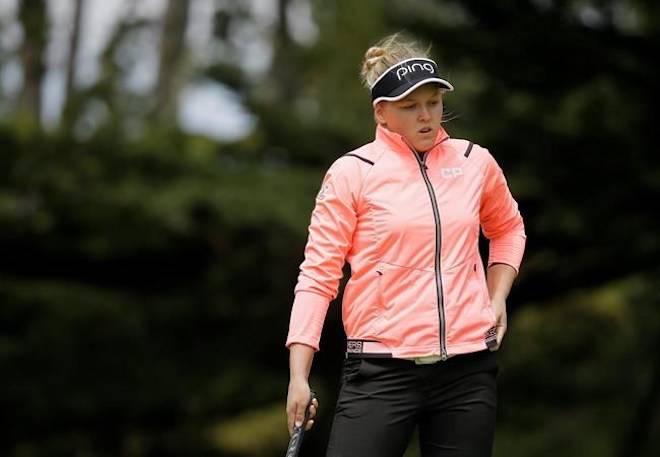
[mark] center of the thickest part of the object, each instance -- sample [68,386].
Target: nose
[424,113]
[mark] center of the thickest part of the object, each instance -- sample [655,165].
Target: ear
[379,113]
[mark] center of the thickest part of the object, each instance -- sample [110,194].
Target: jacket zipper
[438,247]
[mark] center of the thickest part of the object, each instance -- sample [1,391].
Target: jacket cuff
[508,250]
[307,317]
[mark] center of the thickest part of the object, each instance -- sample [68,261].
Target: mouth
[425,130]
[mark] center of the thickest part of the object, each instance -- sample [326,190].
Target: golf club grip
[299,432]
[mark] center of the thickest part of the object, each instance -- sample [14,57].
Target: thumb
[501,330]
[300,414]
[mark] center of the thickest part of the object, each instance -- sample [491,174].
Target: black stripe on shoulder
[469,149]
[359,157]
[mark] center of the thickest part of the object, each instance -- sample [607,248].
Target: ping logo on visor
[404,77]
[403,70]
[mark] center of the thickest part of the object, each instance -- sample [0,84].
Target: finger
[290,416]
[310,424]
[300,414]
[498,338]
[500,334]
[294,412]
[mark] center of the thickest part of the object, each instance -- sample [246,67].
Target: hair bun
[385,53]
[373,56]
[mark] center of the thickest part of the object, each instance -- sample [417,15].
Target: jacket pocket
[406,296]
[398,286]
[364,369]
[351,368]
[484,295]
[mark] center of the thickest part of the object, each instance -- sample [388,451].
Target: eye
[434,102]
[408,106]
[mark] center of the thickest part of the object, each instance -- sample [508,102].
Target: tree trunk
[69,102]
[284,62]
[171,50]
[32,15]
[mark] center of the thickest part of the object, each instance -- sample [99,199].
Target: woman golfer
[422,316]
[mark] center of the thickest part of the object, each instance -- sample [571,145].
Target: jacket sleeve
[501,221]
[329,240]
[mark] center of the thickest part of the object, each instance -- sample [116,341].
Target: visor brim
[405,90]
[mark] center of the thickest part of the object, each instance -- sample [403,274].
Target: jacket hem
[407,352]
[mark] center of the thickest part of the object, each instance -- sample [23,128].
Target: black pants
[381,401]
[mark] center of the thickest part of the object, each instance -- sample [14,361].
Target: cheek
[402,122]
[406,123]
[395,120]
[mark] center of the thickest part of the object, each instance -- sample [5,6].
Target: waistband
[370,349]
[453,368]
[358,349]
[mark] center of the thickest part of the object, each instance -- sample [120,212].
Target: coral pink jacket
[409,228]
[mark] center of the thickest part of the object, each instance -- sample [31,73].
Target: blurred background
[158,164]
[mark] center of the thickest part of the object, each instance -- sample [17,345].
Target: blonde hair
[387,52]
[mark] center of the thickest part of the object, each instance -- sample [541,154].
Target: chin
[423,147]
